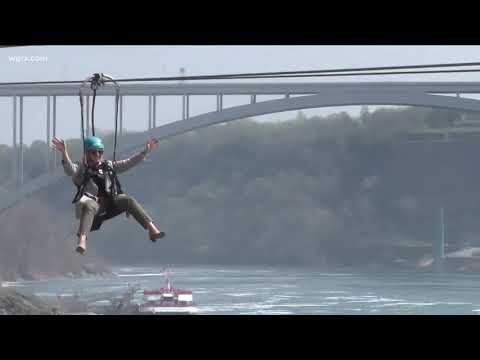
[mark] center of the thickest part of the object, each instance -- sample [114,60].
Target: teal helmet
[93,143]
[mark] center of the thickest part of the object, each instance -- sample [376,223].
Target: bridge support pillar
[149,112]
[154,112]
[186,107]
[219,102]
[54,128]
[253,99]
[120,105]
[14,143]
[48,157]
[20,165]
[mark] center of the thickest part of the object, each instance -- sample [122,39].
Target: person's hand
[151,145]
[59,145]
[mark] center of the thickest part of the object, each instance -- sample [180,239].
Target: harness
[88,173]
[115,189]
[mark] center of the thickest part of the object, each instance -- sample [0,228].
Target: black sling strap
[115,189]
[115,186]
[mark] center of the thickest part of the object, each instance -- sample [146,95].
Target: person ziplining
[99,193]
[99,197]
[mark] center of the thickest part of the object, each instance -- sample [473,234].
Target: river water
[236,290]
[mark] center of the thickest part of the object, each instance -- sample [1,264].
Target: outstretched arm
[124,165]
[69,167]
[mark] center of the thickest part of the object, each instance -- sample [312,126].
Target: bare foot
[82,245]
[156,235]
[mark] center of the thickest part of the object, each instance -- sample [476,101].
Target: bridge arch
[312,101]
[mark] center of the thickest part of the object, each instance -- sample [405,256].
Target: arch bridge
[292,96]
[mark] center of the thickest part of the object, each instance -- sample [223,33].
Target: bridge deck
[242,88]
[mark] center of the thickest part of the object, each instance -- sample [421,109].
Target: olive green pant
[122,202]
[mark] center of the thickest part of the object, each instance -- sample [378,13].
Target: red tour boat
[168,300]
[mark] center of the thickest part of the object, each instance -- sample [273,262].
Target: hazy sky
[78,62]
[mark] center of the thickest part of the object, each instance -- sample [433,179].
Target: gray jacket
[77,169]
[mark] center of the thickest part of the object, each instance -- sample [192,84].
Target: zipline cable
[363,74]
[282,74]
